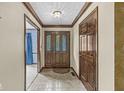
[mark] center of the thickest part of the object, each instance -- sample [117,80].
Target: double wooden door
[57,49]
[88,51]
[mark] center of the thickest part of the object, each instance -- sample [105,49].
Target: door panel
[48,49]
[48,42]
[57,49]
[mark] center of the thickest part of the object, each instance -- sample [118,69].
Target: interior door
[88,51]
[57,49]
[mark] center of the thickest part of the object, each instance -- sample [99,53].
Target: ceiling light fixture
[57,13]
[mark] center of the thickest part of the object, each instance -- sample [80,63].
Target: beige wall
[59,29]
[105,44]
[12,45]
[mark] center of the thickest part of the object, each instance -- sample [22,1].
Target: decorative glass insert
[90,42]
[48,42]
[83,43]
[57,42]
[64,43]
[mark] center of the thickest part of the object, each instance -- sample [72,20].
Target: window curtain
[29,56]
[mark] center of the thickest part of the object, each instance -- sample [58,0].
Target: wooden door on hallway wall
[89,51]
[57,49]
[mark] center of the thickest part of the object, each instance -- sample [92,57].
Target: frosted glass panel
[64,45]
[84,40]
[89,42]
[48,42]
[57,42]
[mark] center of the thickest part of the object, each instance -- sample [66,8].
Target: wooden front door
[57,49]
[88,51]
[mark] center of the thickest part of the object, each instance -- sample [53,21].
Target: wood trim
[57,26]
[38,29]
[84,8]
[31,10]
[24,54]
[97,72]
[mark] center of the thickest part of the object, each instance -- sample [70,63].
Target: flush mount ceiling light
[57,13]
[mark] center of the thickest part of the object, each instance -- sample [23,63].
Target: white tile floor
[31,73]
[49,80]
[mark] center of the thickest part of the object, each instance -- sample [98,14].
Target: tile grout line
[32,81]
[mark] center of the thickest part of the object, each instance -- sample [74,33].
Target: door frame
[45,48]
[26,18]
[97,49]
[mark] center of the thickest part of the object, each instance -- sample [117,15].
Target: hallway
[74,35]
[50,80]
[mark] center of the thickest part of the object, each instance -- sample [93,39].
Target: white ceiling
[69,11]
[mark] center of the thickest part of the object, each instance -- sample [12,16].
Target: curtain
[29,56]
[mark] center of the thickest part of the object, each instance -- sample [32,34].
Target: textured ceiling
[69,11]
